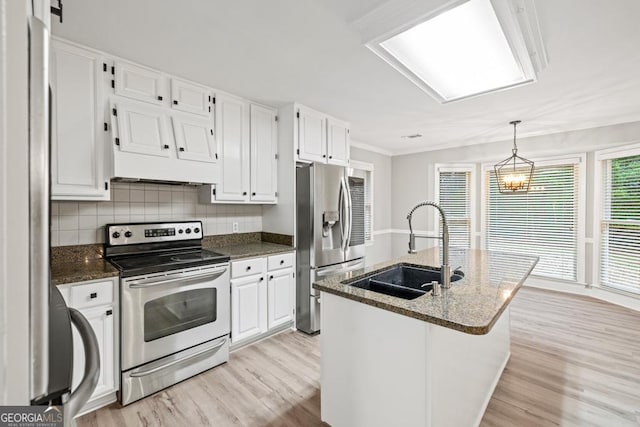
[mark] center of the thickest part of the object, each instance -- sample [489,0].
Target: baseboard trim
[586,290]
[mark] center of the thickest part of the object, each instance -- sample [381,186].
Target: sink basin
[402,281]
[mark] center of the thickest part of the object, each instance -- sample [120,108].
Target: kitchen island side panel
[380,368]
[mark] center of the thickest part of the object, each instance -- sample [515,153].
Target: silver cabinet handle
[146,372]
[153,282]
[81,395]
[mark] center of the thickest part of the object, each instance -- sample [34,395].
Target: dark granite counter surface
[70,264]
[472,305]
[247,245]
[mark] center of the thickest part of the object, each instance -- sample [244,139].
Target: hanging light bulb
[514,174]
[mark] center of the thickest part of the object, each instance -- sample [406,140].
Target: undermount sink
[402,281]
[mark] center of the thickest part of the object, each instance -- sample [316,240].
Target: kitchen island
[431,361]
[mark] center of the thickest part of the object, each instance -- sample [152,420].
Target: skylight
[459,53]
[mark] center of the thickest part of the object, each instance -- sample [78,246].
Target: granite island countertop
[472,304]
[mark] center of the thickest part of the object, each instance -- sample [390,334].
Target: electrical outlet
[235,227]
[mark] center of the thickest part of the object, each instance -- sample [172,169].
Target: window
[620,223]
[454,196]
[543,222]
[364,171]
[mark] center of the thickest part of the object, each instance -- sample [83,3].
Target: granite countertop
[70,264]
[80,271]
[472,305]
[250,249]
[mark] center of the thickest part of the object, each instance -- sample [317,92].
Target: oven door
[168,312]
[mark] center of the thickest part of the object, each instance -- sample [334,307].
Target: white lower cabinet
[262,296]
[98,303]
[248,307]
[101,320]
[280,297]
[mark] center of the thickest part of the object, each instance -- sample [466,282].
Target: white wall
[380,249]
[74,223]
[413,175]
[14,210]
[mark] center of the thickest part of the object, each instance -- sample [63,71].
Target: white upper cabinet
[337,142]
[321,138]
[136,82]
[194,138]
[140,129]
[77,116]
[190,97]
[264,154]
[232,136]
[312,136]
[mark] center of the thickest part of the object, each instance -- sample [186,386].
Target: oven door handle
[144,373]
[213,274]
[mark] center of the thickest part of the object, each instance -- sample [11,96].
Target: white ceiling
[280,51]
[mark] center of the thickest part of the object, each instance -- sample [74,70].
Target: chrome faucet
[445,268]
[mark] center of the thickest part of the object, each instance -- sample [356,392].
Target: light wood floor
[575,362]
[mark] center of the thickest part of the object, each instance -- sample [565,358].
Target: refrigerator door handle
[81,395]
[342,268]
[345,208]
[39,207]
[349,213]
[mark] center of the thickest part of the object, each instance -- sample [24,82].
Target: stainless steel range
[175,304]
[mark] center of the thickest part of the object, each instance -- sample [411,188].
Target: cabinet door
[280,297]
[264,151]
[102,322]
[77,137]
[248,307]
[139,83]
[190,97]
[338,142]
[232,135]
[312,137]
[194,138]
[140,129]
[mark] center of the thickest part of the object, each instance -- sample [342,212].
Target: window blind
[542,222]
[368,206]
[455,199]
[620,226]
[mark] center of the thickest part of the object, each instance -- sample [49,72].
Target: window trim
[626,150]
[577,158]
[473,213]
[368,167]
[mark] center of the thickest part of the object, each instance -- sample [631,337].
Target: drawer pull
[248,267]
[109,312]
[281,261]
[93,295]
[270,277]
[261,279]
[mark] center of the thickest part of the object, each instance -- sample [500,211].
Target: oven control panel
[130,234]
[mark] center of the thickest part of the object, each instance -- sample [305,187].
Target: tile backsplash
[74,223]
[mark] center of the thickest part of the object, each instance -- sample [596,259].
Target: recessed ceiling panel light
[462,52]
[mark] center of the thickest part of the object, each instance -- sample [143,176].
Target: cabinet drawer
[248,267]
[91,294]
[280,261]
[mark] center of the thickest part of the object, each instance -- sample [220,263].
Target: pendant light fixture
[515,173]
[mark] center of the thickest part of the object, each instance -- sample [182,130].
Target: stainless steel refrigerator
[50,339]
[330,232]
